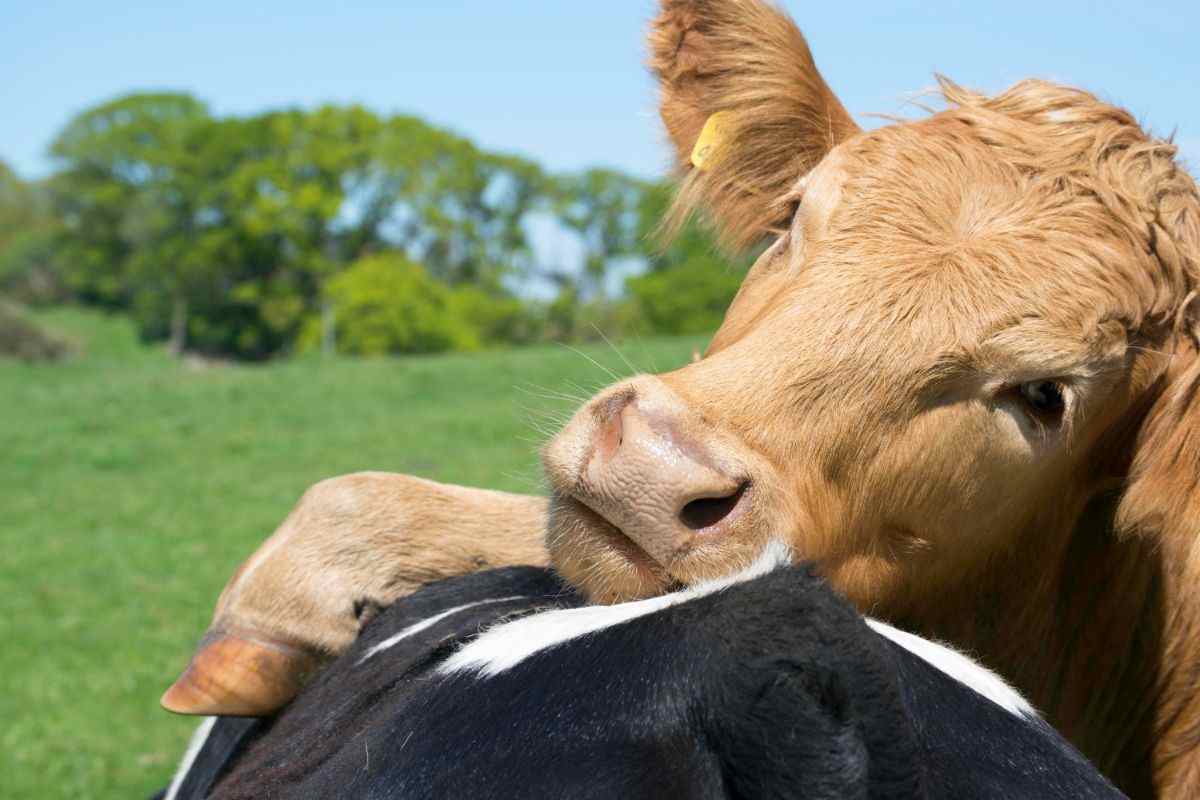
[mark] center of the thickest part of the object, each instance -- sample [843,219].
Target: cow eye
[1044,399]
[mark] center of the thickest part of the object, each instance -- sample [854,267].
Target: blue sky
[559,80]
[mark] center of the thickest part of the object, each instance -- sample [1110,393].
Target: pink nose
[662,487]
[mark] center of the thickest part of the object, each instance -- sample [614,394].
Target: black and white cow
[766,684]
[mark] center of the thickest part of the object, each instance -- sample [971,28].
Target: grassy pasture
[131,485]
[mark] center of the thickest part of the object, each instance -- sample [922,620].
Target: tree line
[340,229]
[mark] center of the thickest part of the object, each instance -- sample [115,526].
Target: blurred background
[245,248]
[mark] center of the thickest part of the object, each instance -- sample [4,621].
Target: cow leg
[351,545]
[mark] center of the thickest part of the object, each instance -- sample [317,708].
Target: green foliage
[386,304]
[233,235]
[16,206]
[30,267]
[29,242]
[685,298]
[602,206]
[133,485]
[499,318]
[221,233]
[126,196]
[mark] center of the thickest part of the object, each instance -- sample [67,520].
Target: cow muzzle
[655,471]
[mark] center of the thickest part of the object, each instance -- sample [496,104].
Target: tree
[127,199]
[297,192]
[685,298]
[459,210]
[17,212]
[233,234]
[312,192]
[602,207]
[24,233]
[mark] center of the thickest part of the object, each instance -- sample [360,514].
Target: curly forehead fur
[1087,166]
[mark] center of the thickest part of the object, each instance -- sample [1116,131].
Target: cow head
[966,327]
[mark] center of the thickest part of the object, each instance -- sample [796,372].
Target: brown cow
[964,380]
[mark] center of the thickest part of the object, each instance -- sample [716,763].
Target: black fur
[771,688]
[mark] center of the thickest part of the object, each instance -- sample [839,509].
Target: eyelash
[1051,394]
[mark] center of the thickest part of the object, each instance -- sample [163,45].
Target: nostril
[614,405]
[708,511]
[610,433]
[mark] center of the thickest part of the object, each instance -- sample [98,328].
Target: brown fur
[864,378]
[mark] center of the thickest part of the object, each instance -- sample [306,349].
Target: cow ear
[745,108]
[1162,498]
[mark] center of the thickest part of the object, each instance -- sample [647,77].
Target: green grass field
[131,486]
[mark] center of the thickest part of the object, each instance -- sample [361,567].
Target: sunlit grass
[131,485]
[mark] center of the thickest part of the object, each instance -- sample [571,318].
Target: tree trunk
[179,314]
[328,329]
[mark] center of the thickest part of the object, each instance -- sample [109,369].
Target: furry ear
[778,117]
[1162,499]
[1163,495]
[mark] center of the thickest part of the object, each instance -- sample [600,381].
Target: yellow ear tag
[712,138]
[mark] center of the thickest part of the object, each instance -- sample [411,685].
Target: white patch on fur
[510,643]
[960,668]
[189,757]
[425,623]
